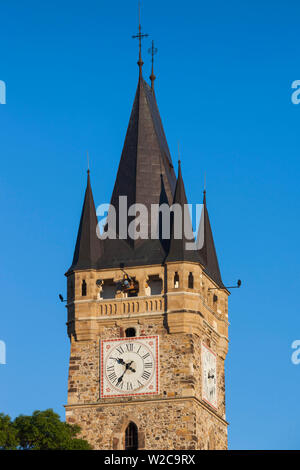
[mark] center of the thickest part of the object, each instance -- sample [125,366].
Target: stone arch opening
[118,435]
[131,437]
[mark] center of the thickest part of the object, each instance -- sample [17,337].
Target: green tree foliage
[8,433]
[43,430]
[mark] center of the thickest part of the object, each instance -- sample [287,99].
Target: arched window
[83,288]
[191,281]
[131,437]
[176,280]
[130,332]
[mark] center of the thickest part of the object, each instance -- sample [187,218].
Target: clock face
[129,366]
[209,376]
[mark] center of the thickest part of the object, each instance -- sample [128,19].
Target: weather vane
[140,36]
[152,50]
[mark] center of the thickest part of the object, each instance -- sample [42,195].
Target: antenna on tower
[238,285]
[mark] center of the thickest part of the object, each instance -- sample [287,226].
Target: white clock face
[209,376]
[129,366]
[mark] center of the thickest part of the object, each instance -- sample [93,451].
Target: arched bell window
[131,437]
[83,288]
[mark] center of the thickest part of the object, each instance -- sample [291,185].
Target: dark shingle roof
[145,175]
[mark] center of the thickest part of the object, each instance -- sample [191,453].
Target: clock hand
[127,366]
[120,361]
[121,377]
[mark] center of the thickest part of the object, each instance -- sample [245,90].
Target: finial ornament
[179,161]
[204,190]
[88,163]
[140,36]
[152,50]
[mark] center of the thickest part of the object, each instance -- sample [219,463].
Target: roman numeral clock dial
[129,366]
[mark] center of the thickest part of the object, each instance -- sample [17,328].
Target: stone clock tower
[147,318]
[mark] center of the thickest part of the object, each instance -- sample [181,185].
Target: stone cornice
[147,401]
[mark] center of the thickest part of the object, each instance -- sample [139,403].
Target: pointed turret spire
[88,245]
[179,246]
[207,250]
[145,156]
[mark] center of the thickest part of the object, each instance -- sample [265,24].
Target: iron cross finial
[140,36]
[152,50]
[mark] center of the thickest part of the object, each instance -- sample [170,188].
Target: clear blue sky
[224,73]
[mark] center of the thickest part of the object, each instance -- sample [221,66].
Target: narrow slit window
[83,288]
[191,281]
[176,280]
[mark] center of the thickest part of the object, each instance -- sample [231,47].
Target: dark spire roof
[207,248]
[88,245]
[145,175]
[145,156]
[178,247]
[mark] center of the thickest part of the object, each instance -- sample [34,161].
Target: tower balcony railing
[131,305]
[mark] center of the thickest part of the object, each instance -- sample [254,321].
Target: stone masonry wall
[170,420]
[180,365]
[173,424]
